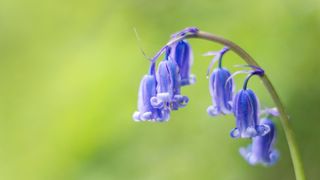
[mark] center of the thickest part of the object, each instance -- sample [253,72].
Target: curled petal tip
[245,153]
[249,132]
[212,111]
[235,133]
[163,116]
[274,156]
[136,116]
[180,100]
[252,159]
[146,116]
[263,129]
[188,81]
[192,79]
[156,102]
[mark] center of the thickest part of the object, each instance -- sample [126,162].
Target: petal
[181,53]
[163,115]
[246,112]
[163,78]
[262,130]
[146,116]
[274,157]
[235,133]
[182,101]
[146,91]
[175,77]
[212,111]
[136,116]
[249,132]
[164,96]
[157,102]
[246,152]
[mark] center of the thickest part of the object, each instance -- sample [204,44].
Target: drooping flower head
[159,91]
[246,111]
[220,86]
[168,84]
[147,110]
[164,84]
[181,53]
[177,100]
[262,151]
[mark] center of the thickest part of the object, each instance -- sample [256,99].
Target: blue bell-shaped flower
[220,86]
[261,151]
[148,110]
[246,111]
[181,53]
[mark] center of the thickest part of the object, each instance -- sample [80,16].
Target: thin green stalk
[294,151]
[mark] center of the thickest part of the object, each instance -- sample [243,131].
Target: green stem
[294,151]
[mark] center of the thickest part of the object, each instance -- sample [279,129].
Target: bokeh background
[70,71]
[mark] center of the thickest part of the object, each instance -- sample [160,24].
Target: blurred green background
[70,71]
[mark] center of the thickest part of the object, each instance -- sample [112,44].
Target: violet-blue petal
[179,101]
[175,77]
[162,115]
[168,87]
[262,149]
[221,92]
[149,107]
[246,109]
[181,53]
[147,90]
[164,87]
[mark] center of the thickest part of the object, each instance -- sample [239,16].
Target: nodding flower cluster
[160,90]
[160,93]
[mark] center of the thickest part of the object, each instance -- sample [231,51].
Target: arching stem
[294,151]
[293,147]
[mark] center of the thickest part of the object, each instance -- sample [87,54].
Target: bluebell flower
[164,84]
[181,53]
[221,92]
[177,100]
[148,110]
[168,85]
[220,87]
[246,111]
[261,151]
